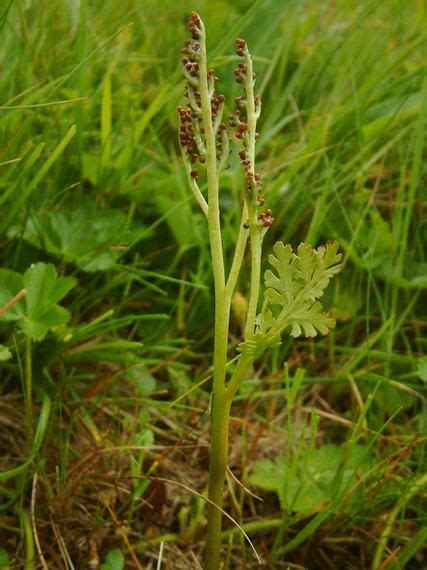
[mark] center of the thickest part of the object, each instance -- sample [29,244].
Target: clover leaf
[310,480]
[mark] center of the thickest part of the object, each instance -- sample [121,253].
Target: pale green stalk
[221,400]
[222,396]
[255,229]
[220,407]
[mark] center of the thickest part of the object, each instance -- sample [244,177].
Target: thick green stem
[220,417]
[220,407]
[220,410]
[220,414]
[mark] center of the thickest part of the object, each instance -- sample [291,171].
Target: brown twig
[12,302]
[123,535]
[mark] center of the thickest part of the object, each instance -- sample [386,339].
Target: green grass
[91,180]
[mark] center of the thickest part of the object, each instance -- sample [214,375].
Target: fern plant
[296,280]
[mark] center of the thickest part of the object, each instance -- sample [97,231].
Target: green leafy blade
[298,281]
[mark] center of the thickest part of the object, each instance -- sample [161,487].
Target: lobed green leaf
[298,280]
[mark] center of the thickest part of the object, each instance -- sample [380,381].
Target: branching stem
[205,140]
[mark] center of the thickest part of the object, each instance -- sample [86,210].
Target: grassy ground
[103,427]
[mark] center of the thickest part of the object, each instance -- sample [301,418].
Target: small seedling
[295,281]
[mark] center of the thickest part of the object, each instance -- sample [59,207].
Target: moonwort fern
[297,279]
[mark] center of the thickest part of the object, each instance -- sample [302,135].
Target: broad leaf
[92,240]
[304,487]
[37,312]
